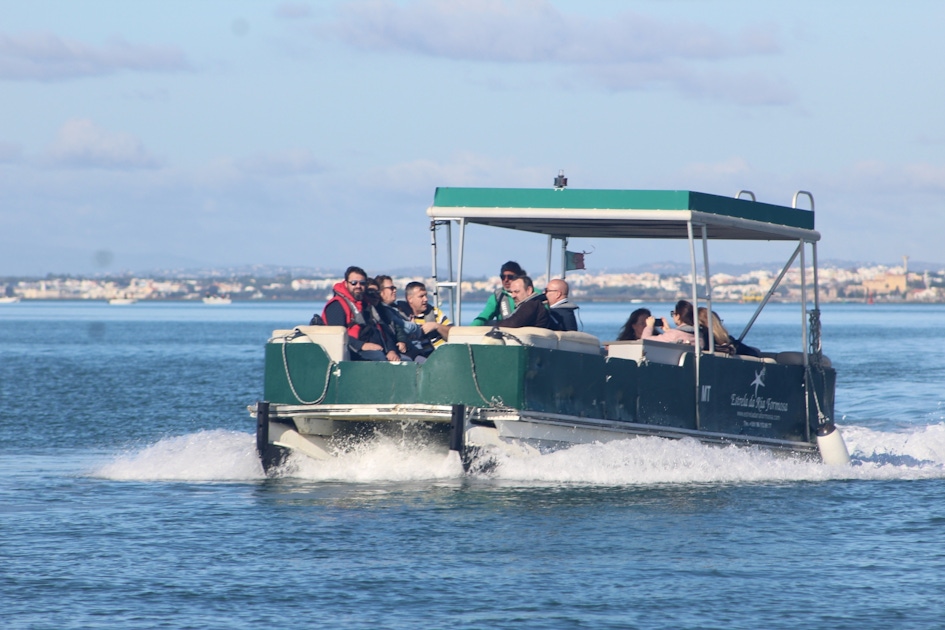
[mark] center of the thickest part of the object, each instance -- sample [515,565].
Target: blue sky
[314,133]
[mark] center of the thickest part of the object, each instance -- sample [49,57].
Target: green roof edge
[582,199]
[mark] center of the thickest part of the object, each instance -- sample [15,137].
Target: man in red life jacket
[366,338]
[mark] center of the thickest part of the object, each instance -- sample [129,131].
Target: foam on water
[216,455]
[381,459]
[231,456]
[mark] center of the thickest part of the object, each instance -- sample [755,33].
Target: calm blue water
[131,496]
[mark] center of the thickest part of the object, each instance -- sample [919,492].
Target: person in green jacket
[500,304]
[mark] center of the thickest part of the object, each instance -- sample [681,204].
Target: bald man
[563,313]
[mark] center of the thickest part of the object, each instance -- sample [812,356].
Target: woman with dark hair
[633,328]
[684,331]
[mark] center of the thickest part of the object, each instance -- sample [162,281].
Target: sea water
[131,495]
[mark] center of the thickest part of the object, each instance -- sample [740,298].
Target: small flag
[575,260]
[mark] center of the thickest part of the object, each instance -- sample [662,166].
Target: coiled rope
[495,402]
[285,364]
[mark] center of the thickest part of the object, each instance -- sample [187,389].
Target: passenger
[500,304]
[373,303]
[684,331]
[408,334]
[636,323]
[529,306]
[562,312]
[366,338]
[724,342]
[421,312]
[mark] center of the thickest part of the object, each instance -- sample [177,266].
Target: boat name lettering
[758,402]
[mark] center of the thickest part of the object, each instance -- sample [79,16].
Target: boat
[217,299]
[9,299]
[122,301]
[489,391]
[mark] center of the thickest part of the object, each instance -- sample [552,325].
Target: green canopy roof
[623,213]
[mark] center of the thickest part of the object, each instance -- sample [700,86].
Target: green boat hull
[570,396]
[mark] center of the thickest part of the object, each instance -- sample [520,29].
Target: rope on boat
[816,360]
[288,376]
[496,401]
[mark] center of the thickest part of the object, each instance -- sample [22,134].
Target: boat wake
[218,455]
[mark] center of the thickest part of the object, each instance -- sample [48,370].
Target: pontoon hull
[538,398]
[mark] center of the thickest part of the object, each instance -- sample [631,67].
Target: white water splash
[203,456]
[380,459]
[230,456]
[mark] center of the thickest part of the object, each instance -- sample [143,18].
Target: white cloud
[83,144]
[48,57]
[530,31]
[744,88]
[629,51]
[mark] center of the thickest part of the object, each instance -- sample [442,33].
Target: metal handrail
[803,192]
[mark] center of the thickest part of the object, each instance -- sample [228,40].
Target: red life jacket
[352,308]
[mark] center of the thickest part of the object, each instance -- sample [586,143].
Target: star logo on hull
[759,381]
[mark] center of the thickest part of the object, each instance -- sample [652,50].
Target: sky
[165,134]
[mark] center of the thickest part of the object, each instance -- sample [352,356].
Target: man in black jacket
[562,312]
[529,306]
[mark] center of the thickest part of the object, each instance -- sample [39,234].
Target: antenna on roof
[561,181]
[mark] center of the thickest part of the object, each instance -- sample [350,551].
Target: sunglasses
[357,283]
[390,288]
[508,276]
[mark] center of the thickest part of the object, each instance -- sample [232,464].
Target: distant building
[886,284]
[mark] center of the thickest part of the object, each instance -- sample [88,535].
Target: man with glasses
[366,338]
[406,332]
[562,312]
[500,304]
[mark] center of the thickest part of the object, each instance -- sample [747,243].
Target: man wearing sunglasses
[366,338]
[500,304]
[398,325]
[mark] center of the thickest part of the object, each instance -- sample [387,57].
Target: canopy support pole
[551,240]
[708,290]
[774,287]
[695,311]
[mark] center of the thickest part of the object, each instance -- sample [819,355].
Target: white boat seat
[632,350]
[527,336]
[334,339]
[649,350]
[469,334]
[577,341]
